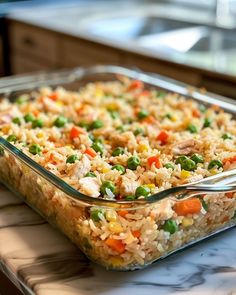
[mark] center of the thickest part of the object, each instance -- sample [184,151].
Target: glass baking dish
[69,210]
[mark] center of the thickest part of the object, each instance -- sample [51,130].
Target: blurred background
[187,40]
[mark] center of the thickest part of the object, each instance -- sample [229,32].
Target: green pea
[180,159]
[130,198]
[96,215]
[107,185]
[37,123]
[197,158]
[60,121]
[142,114]
[21,99]
[29,118]
[71,159]
[192,128]
[234,216]
[96,124]
[204,205]
[90,174]
[202,108]
[119,168]
[84,125]
[170,226]
[120,128]
[12,138]
[160,94]
[34,149]
[169,166]
[133,162]
[98,147]
[16,120]
[1,151]
[186,163]
[226,136]
[114,114]
[142,191]
[86,244]
[118,151]
[207,122]
[215,163]
[138,131]
[168,116]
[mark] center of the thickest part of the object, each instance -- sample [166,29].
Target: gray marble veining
[42,261]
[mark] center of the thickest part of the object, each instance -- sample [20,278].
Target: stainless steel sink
[163,34]
[132,27]
[215,40]
[199,39]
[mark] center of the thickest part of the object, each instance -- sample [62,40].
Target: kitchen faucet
[222,16]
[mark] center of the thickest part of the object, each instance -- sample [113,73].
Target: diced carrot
[122,213]
[135,84]
[116,245]
[196,113]
[58,144]
[225,219]
[53,96]
[230,195]
[35,112]
[80,109]
[149,120]
[189,206]
[41,98]
[215,107]
[51,157]
[155,160]
[136,233]
[91,152]
[229,160]
[76,131]
[144,93]
[163,137]
[136,110]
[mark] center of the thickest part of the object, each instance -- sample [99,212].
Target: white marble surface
[38,257]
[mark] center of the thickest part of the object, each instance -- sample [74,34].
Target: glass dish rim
[19,82]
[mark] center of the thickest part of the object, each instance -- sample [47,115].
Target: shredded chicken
[186,147]
[51,106]
[128,186]
[80,168]
[6,115]
[89,186]
[163,209]
[126,139]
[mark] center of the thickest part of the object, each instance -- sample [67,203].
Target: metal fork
[219,183]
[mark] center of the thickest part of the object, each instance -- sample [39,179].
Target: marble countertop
[39,260]
[79,20]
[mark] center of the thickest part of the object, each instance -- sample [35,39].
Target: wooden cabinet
[34,43]
[21,64]
[35,49]
[219,85]
[77,52]
[1,58]
[163,68]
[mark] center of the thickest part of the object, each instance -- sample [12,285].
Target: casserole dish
[122,227]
